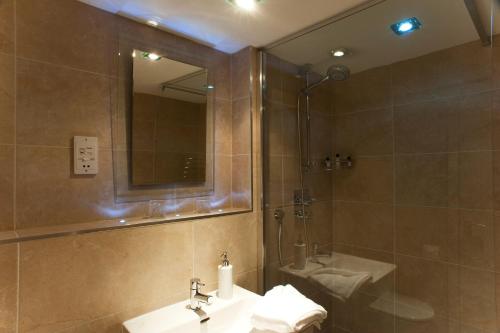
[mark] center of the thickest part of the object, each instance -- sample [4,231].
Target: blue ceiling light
[406,26]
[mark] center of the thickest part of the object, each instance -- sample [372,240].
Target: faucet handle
[196,284]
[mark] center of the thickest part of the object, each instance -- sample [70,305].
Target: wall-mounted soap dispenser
[225,290]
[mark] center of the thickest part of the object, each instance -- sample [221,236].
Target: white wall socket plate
[85,155]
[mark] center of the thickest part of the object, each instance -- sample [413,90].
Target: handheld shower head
[338,72]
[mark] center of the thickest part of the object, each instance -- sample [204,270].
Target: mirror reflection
[169,121]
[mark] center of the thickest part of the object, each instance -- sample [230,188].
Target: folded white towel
[285,310]
[340,283]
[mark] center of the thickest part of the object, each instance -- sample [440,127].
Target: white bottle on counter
[299,255]
[225,278]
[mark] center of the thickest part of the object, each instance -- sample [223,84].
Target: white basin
[225,317]
[377,269]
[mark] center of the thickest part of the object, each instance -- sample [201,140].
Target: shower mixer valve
[302,214]
[302,197]
[342,162]
[302,200]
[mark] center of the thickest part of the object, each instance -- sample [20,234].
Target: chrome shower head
[334,73]
[338,72]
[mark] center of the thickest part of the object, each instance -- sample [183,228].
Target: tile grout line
[67,67]
[193,240]
[281,143]
[15,119]
[18,307]
[415,154]
[394,229]
[395,105]
[14,203]
[281,137]
[415,205]
[109,148]
[492,145]
[333,146]
[231,60]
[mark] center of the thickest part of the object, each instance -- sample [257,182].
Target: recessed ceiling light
[153,23]
[406,26]
[248,5]
[151,56]
[339,53]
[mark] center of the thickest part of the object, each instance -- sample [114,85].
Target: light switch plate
[85,155]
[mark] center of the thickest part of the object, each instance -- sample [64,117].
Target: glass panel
[392,187]
[169,121]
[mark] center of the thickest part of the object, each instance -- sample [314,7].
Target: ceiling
[220,25]
[367,34]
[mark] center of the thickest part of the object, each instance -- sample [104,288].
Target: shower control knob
[279,214]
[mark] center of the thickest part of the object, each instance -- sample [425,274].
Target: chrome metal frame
[25,235]
[324,23]
[263,89]
[470,4]
[478,23]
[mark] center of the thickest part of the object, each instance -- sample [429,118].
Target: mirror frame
[125,191]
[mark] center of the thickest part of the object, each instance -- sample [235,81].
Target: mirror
[163,123]
[169,121]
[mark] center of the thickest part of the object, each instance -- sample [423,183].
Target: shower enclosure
[385,163]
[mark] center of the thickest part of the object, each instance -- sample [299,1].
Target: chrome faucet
[196,297]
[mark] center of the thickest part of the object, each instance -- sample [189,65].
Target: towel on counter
[285,310]
[340,283]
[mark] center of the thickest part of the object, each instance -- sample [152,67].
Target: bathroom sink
[225,317]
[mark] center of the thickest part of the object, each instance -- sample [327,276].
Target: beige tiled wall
[91,283]
[61,87]
[8,288]
[422,193]
[242,102]
[7,115]
[59,78]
